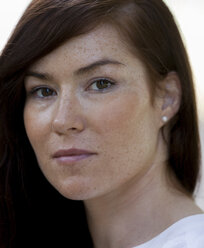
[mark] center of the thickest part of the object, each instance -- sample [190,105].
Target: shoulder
[186,233]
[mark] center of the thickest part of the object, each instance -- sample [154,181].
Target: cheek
[126,116]
[37,124]
[127,127]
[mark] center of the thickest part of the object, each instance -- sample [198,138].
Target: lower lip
[72,159]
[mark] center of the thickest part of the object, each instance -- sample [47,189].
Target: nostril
[65,126]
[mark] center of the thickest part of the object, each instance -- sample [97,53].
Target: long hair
[149,29]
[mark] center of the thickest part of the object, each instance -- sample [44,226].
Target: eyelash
[34,91]
[109,83]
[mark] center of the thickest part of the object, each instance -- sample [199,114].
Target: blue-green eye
[43,92]
[101,84]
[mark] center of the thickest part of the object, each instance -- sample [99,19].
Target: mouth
[72,155]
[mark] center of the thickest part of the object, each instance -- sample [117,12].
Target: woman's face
[88,116]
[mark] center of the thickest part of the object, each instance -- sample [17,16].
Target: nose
[68,116]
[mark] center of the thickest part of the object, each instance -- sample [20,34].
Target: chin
[75,190]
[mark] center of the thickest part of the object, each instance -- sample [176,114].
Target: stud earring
[164,118]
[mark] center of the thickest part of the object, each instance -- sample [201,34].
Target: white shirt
[186,233]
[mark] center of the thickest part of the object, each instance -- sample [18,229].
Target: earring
[164,118]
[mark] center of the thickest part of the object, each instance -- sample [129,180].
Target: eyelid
[33,91]
[94,80]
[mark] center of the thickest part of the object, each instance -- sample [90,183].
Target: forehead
[104,42]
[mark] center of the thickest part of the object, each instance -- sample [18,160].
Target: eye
[43,92]
[101,84]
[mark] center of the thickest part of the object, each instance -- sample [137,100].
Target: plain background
[190,18]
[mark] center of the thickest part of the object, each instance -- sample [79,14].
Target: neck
[138,211]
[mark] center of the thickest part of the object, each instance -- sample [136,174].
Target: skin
[119,124]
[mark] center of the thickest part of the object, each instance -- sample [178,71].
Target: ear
[171,88]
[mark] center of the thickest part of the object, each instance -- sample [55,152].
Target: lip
[67,156]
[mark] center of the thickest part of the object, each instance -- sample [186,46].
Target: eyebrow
[96,64]
[42,76]
[80,71]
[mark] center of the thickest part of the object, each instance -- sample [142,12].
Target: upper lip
[71,152]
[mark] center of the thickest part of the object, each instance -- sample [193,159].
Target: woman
[98,96]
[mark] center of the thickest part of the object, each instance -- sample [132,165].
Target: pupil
[46,92]
[102,84]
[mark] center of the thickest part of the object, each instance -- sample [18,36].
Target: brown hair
[149,28]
